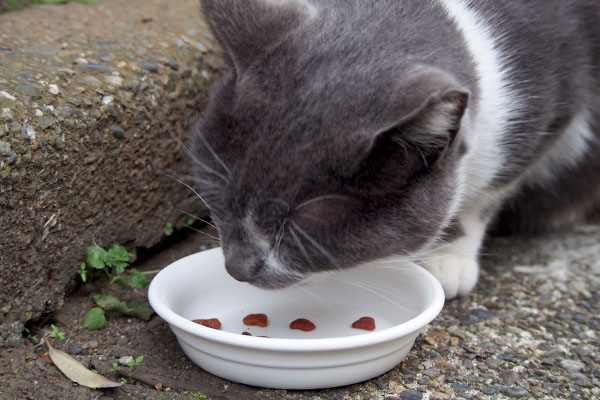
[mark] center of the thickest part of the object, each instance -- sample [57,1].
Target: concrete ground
[529,330]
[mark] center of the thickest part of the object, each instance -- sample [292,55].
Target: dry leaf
[76,372]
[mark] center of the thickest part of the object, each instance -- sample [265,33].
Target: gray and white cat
[351,130]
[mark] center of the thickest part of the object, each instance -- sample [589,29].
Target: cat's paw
[457,274]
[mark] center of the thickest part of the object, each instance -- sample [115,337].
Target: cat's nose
[242,263]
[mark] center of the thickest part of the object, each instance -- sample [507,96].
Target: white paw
[457,274]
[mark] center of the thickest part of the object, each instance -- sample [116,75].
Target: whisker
[214,154]
[318,298]
[316,245]
[301,247]
[186,185]
[204,233]
[195,217]
[324,197]
[280,235]
[197,160]
[364,287]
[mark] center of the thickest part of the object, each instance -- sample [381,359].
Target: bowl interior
[391,292]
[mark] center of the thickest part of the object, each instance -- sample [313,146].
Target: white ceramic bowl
[401,297]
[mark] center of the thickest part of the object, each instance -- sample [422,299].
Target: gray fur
[336,105]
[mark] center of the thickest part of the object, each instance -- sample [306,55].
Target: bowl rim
[297,345]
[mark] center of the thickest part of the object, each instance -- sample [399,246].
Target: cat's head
[318,153]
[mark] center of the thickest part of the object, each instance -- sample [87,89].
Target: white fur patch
[262,242]
[497,103]
[566,152]
[310,9]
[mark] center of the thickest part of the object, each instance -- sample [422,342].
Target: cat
[345,131]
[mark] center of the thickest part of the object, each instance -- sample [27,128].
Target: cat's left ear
[428,132]
[437,121]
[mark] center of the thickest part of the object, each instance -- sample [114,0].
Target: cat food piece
[210,322]
[366,323]
[256,320]
[246,334]
[302,324]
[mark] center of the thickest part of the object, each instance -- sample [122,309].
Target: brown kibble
[246,334]
[213,323]
[302,324]
[366,323]
[256,320]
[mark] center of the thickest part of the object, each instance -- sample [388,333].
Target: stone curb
[90,99]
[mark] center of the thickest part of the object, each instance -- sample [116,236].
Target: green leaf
[120,267]
[136,279]
[95,319]
[53,1]
[139,360]
[96,257]
[138,308]
[189,222]
[118,255]
[169,229]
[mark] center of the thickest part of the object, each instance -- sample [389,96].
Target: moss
[12,5]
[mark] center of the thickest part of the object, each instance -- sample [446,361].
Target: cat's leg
[455,264]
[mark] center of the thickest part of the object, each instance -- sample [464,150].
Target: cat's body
[350,130]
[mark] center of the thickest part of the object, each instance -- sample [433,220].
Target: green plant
[56,333]
[197,395]
[169,229]
[113,264]
[135,362]
[82,271]
[29,336]
[115,367]
[189,222]
[123,379]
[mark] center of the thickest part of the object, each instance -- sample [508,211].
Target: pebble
[76,350]
[53,89]
[108,99]
[173,65]
[460,387]
[107,43]
[7,96]
[487,390]
[117,131]
[113,80]
[413,395]
[92,344]
[38,113]
[508,357]
[125,360]
[27,132]
[92,81]
[4,148]
[95,68]
[43,50]
[65,111]
[152,67]
[571,365]
[28,90]
[508,377]
[515,392]
[46,122]
[6,114]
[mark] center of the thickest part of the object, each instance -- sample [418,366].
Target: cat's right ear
[245,28]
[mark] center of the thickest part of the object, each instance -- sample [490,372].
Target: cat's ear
[245,27]
[431,128]
[437,121]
